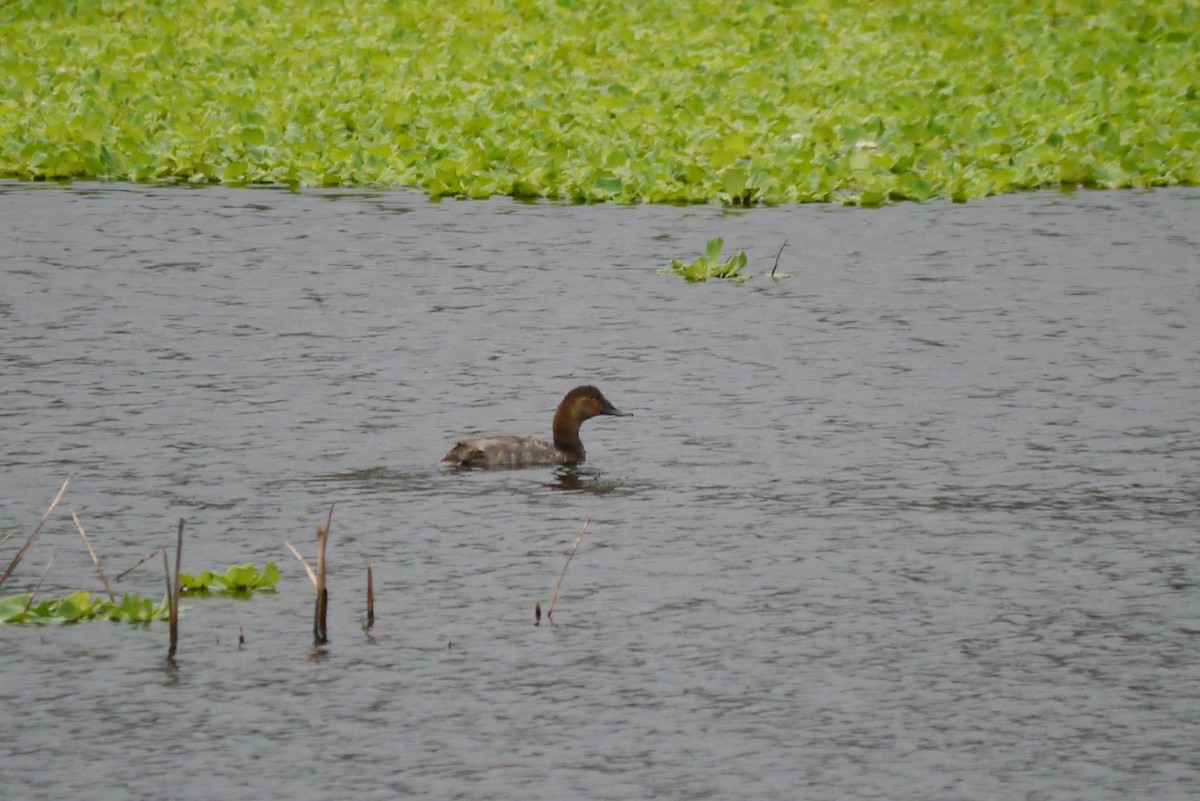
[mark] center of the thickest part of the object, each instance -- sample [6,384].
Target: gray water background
[919,522]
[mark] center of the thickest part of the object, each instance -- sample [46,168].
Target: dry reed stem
[550,610]
[24,548]
[33,594]
[95,559]
[311,575]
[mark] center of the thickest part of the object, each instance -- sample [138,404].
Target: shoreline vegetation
[665,102]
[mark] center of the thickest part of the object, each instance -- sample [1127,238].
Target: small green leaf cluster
[710,265]
[236,579]
[81,606]
[866,101]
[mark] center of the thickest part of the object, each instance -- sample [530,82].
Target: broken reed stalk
[40,580]
[95,559]
[553,598]
[24,548]
[370,594]
[137,564]
[318,578]
[319,631]
[173,592]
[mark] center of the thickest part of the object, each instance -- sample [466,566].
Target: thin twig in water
[95,559]
[137,564]
[550,610]
[21,553]
[40,580]
[777,255]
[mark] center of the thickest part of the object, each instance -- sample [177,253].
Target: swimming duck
[580,404]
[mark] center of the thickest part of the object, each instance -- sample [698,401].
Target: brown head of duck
[580,404]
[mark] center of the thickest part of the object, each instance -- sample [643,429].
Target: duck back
[503,452]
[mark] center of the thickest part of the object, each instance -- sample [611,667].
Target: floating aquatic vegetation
[81,606]
[710,265]
[236,579]
[854,102]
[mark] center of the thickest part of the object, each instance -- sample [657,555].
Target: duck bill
[614,411]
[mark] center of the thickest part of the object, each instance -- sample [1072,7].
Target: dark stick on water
[320,633]
[173,588]
[170,605]
[777,255]
[370,595]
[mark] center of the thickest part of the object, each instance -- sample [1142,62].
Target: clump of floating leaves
[710,265]
[239,579]
[80,606]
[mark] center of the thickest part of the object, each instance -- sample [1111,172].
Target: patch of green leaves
[241,579]
[739,103]
[710,265]
[81,606]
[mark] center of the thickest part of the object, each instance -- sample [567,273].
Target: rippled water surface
[919,522]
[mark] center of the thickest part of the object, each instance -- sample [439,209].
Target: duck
[580,404]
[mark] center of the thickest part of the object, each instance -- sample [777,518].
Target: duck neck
[566,436]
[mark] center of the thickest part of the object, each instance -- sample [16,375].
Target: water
[918,522]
